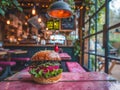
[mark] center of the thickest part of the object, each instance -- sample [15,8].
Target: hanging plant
[5,5]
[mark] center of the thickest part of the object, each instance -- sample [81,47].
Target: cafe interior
[59,44]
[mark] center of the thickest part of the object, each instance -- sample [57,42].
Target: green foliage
[77,49]
[2,12]
[72,4]
[5,5]
[92,62]
[92,58]
[114,38]
[91,11]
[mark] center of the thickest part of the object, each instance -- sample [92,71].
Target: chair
[22,62]
[112,50]
[102,64]
[7,71]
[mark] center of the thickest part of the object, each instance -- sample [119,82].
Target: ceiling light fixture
[60,9]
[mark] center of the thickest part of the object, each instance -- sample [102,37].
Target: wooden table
[64,57]
[17,51]
[7,70]
[3,53]
[69,81]
[10,52]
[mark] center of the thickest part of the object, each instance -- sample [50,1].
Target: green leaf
[3,2]
[47,75]
[36,75]
[32,71]
[15,2]
[20,9]
[40,73]
[2,12]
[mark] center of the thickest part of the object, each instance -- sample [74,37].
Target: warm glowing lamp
[60,9]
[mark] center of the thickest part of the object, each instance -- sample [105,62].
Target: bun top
[46,55]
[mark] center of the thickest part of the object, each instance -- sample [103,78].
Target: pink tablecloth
[74,67]
[67,76]
[20,85]
[69,81]
[65,56]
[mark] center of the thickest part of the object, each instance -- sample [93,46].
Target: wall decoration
[68,23]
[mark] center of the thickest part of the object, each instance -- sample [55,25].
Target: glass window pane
[114,16]
[91,63]
[100,3]
[92,26]
[100,19]
[90,7]
[92,44]
[114,42]
[100,49]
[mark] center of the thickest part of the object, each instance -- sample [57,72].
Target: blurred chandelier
[59,9]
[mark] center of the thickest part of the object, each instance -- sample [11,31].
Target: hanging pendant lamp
[59,9]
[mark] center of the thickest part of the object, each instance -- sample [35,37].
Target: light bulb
[8,22]
[39,20]
[46,28]
[26,23]
[33,11]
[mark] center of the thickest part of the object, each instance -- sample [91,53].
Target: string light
[39,20]
[26,23]
[33,11]
[46,28]
[8,22]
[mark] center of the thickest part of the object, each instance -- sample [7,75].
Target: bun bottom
[50,80]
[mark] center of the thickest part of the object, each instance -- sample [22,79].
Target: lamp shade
[59,9]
